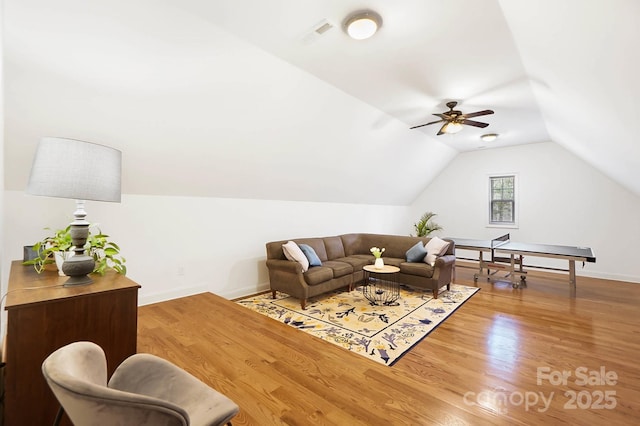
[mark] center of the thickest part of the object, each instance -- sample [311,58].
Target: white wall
[1,138]
[562,200]
[177,246]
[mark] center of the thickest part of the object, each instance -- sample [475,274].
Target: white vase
[379,263]
[60,257]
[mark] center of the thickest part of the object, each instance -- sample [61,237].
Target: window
[502,200]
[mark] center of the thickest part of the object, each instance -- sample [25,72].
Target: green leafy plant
[46,248]
[105,253]
[425,225]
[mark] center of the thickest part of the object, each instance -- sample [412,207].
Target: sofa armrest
[443,269]
[445,261]
[284,266]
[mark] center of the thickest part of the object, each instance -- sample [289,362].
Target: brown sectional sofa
[343,257]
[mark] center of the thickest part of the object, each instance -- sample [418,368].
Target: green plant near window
[105,253]
[426,225]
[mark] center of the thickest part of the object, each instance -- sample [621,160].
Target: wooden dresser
[42,316]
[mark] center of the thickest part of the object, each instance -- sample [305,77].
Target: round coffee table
[381,285]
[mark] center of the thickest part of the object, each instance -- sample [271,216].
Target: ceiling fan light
[362,25]
[452,127]
[489,137]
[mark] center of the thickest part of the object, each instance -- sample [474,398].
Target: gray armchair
[144,390]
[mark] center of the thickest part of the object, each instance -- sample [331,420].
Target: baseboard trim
[579,272]
[613,277]
[173,294]
[190,291]
[245,291]
[249,290]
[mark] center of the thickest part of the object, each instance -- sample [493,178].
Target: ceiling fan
[454,119]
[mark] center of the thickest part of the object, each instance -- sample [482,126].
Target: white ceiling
[231,98]
[425,54]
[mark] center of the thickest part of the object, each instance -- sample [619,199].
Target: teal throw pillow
[416,253]
[308,251]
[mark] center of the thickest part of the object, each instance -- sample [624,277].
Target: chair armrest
[150,375]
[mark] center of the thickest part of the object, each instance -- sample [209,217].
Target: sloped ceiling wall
[199,110]
[583,58]
[196,111]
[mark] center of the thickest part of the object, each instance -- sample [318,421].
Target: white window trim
[516,202]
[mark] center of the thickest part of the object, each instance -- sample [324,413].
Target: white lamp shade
[79,170]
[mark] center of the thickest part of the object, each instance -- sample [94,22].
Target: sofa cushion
[310,254]
[339,269]
[293,253]
[393,261]
[420,269]
[435,247]
[317,244]
[353,244]
[416,253]
[318,275]
[356,261]
[364,257]
[334,247]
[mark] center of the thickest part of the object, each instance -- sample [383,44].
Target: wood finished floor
[478,367]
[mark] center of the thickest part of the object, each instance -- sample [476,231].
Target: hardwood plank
[464,372]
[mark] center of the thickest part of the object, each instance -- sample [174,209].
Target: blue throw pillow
[308,251]
[416,253]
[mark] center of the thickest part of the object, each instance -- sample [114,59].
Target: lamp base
[77,269]
[77,281]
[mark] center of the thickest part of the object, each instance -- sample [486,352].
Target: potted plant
[105,253]
[377,253]
[49,248]
[425,225]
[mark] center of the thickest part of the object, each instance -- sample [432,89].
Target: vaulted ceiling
[240,98]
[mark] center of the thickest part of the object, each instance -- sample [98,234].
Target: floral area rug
[347,319]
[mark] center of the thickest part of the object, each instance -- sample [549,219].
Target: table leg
[572,278]
[481,265]
[512,272]
[381,289]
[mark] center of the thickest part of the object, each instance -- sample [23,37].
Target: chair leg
[303,303]
[59,414]
[273,294]
[435,293]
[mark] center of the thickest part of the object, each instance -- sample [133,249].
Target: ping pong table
[514,264]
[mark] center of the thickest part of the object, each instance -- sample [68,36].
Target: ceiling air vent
[326,26]
[317,31]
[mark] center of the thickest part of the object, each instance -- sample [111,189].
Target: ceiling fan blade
[426,124]
[474,123]
[479,113]
[441,131]
[444,116]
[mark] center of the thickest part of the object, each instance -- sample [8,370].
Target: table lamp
[68,168]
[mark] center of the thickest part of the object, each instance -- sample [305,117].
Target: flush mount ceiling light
[362,25]
[489,137]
